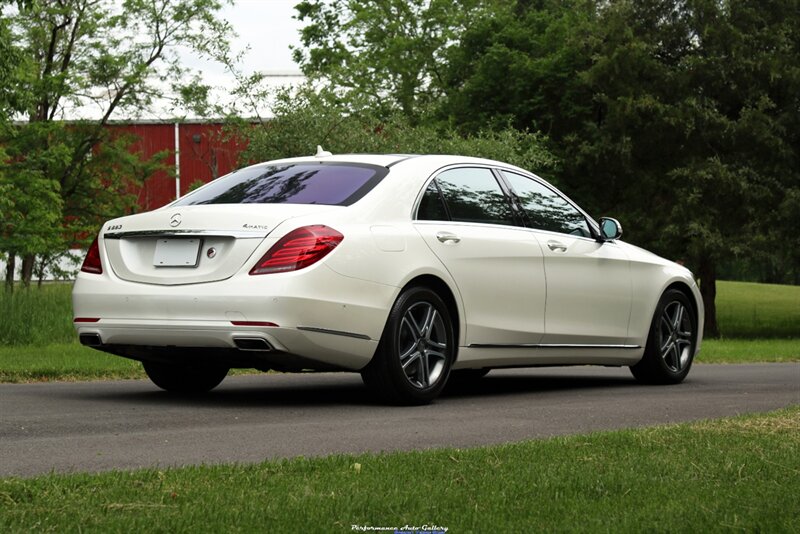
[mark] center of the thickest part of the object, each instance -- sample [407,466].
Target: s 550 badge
[114,227]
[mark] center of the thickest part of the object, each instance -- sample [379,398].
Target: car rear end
[236,272]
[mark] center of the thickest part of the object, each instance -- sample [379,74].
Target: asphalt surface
[98,426]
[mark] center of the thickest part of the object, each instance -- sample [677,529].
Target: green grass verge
[70,361]
[748,310]
[738,474]
[37,315]
[749,350]
[64,361]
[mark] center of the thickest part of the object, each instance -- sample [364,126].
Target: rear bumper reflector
[86,319]
[253,323]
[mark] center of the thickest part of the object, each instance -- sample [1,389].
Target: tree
[519,65]
[390,51]
[309,118]
[9,105]
[9,59]
[85,57]
[681,116]
[706,114]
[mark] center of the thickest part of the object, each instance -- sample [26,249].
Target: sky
[265,30]
[268,28]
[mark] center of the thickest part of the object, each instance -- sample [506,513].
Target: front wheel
[184,379]
[416,350]
[671,342]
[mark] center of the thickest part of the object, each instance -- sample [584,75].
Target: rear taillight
[298,249]
[91,263]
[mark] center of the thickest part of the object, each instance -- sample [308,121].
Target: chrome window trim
[593,224]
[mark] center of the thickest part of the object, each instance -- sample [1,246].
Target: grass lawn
[749,350]
[737,474]
[748,310]
[37,315]
[64,361]
[69,361]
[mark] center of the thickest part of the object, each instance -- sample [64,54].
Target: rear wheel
[416,350]
[185,379]
[670,345]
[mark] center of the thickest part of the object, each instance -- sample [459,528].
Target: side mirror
[610,229]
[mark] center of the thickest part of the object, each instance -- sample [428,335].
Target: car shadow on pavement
[342,389]
[498,384]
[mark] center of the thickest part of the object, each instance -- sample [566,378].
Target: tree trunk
[11,266]
[28,261]
[40,270]
[708,290]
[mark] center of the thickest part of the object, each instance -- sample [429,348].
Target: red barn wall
[204,154]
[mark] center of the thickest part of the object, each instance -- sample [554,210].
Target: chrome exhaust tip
[253,344]
[90,340]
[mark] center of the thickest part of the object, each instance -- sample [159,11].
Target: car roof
[389,160]
[383,160]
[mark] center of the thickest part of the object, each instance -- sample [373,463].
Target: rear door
[467,220]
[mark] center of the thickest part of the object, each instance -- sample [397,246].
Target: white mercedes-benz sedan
[411,270]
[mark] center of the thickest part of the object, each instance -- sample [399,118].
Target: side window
[546,209]
[473,195]
[431,208]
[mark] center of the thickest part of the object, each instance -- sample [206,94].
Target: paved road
[96,426]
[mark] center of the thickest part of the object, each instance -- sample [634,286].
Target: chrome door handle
[555,245]
[447,237]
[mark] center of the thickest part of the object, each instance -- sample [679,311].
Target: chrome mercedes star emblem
[175,220]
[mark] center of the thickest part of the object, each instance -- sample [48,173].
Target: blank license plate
[177,253]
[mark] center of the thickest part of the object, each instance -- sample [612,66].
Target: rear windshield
[332,184]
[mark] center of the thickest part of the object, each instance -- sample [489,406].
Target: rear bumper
[320,316]
[330,350]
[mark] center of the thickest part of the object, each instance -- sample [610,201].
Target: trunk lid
[193,244]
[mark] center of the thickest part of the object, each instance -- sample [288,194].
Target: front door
[588,282]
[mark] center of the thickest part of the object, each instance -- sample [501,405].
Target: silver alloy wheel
[676,336]
[422,345]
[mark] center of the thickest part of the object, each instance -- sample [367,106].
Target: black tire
[184,379]
[412,362]
[671,342]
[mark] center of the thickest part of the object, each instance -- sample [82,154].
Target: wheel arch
[686,290]
[440,287]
